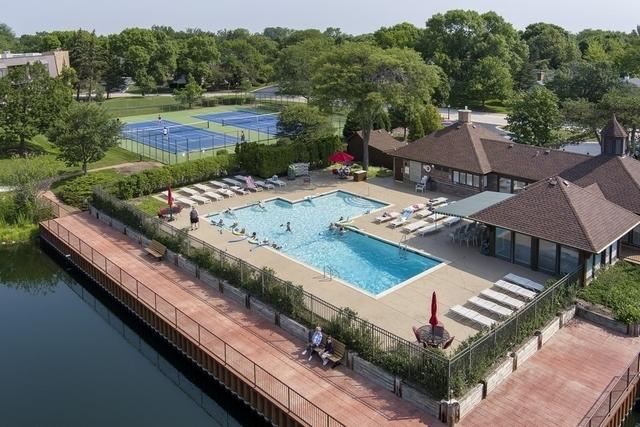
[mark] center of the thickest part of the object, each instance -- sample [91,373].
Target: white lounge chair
[437,201]
[387,216]
[415,207]
[238,190]
[473,315]
[184,201]
[424,213]
[431,228]
[410,228]
[189,191]
[422,185]
[515,289]
[491,306]
[212,195]
[265,185]
[232,182]
[219,184]
[203,188]
[524,282]
[226,192]
[449,221]
[250,184]
[401,219]
[240,178]
[502,298]
[276,181]
[200,200]
[435,217]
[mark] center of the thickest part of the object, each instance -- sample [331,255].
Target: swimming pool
[361,260]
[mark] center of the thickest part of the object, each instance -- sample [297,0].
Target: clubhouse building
[561,210]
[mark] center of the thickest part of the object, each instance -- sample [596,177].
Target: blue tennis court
[266,123]
[179,137]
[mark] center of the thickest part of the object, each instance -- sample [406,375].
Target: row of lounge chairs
[497,303]
[429,220]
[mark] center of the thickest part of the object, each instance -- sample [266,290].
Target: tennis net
[171,129]
[270,118]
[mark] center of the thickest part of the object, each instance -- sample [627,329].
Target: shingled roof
[613,129]
[560,211]
[382,140]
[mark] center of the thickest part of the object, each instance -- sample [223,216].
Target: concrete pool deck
[466,273]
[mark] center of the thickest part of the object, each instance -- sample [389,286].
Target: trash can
[359,176]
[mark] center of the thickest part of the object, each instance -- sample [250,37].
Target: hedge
[269,160]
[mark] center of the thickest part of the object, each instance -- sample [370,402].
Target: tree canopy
[535,117]
[550,46]
[303,123]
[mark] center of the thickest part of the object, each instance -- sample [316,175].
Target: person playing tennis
[165,132]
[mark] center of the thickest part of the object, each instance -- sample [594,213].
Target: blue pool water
[365,262]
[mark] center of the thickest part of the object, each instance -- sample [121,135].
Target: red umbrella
[340,157]
[170,202]
[434,309]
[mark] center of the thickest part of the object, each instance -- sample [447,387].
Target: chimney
[464,116]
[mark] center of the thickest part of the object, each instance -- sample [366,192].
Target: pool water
[368,263]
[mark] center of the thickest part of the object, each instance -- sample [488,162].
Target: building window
[635,236]
[466,178]
[547,256]
[614,252]
[596,262]
[456,176]
[522,250]
[504,185]
[518,185]
[503,243]
[484,181]
[568,260]
[470,180]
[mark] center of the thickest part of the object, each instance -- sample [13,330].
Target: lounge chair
[473,315]
[401,219]
[212,195]
[449,221]
[415,207]
[189,191]
[184,201]
[435,217]
[276,181]
[238,190]
[219,184]
[240,178]
[387,216]
[491,306]
[226,192]
[249,184]
[203,188]
[410,228]
[424,213]
[265,185]
[524,282]
[232,182]
[437,201]
[431,228]
[422,185]
[502,298]
[201,200]
[515,289]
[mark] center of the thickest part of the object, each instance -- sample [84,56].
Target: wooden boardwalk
[343,394]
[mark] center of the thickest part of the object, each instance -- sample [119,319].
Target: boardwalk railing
[252,373]
[611,402]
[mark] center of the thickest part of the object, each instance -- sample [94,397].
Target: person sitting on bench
[328,351]
[314,342]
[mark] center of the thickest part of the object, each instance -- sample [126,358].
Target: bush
[77,191]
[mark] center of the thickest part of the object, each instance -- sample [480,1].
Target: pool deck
[345,395]
[466,273]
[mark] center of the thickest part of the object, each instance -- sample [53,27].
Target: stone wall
[607,321]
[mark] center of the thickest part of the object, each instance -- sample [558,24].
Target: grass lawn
[116,156]
[491,106]
[618,289]
[138,102]
[149,204]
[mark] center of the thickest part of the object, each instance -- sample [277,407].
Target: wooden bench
[156,249]
[339,350]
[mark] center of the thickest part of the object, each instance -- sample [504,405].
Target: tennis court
[265,123]
[179,138]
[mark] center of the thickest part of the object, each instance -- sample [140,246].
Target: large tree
[87,58]
[295,66]
[368,80]
[30,101]
[198,57]
[583,117]
[400,35]
[303,123]
[7,38]
[458,39]
[84,134]
[550,46]
[582,79]
[190,93]
[535,117]
[490,79]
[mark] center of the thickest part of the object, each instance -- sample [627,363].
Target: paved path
[559,384]
[343,394]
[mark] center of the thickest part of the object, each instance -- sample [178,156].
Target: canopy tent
[466,207]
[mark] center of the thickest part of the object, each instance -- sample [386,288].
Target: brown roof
[562,212]
[382,140]
[613,129]
[618,178]
[457,146]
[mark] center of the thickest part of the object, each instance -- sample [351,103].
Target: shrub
[77,191]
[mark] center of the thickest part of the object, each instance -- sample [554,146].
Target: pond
[72,357]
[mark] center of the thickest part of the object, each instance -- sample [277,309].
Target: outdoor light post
[448,112]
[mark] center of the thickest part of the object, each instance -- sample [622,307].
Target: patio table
[428,337]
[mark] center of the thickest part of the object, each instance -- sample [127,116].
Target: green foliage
[303,123]
[550,46]
[582,79]
[190,94]
[84,134]
[490,79]
[7,38]
[618,289]
[295,66]
[268,160]
[400,35]
[352,123]
[77,191]
[150,205]
[535,117]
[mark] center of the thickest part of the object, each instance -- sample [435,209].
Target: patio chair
[448,343]
[189,191]
[265,185]
[226,192]
[200,200]
[438,331]
[232,182]
[410,228]
[249,184]
[401,220]
[386,216]
[417,335]
[422,185]
[276,181]
[219,184]
[238,190]
[212,195]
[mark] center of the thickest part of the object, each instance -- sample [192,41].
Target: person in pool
[332,226]
[342,230]
[220,222]
[261,205]
[228,211]
[254,235]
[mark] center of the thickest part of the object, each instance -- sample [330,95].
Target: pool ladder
[402,249]
[328,270]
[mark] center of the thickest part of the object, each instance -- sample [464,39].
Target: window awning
[469,206]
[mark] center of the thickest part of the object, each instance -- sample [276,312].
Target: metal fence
[614,392]
[216,347]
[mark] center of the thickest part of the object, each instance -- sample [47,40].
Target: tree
[30,101]
[145,83]
[87,59]
[190,93]
[584,116]
[624,102]
[582,79]
[550,45]
[303,123]
[198,57]
[295,66]
[458,39]
[367,80]
[400,35]
[535,117]
[490,79]
[7,38]
[352,122]
[84,134]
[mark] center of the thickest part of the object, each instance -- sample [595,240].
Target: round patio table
[428,337]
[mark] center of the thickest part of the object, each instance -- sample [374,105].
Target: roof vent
[552,182]
[565,182]
[547,151]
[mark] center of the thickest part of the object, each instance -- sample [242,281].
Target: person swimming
[220,222]
[332,226]
[234,225]
[254,235]
[342,230]
[228,211]
[261,205]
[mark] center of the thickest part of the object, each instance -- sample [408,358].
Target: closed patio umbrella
[341,157]
[434,310]
[170,202]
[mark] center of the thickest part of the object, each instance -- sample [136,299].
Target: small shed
[381,144]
